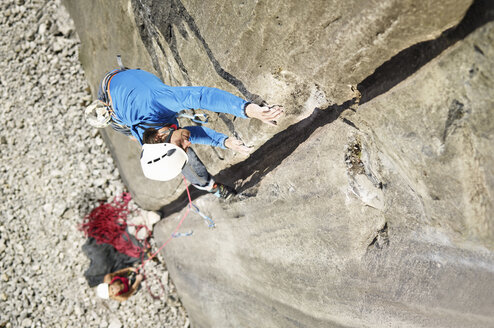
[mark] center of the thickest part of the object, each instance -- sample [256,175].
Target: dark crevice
[147,37]
[410,60]
[350,123]
[258,165]
[173,13]
[381,240]
[250,172]
[178,204]
[279,147]
[456,112]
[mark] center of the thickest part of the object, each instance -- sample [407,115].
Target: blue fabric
[140,100]
[206,136]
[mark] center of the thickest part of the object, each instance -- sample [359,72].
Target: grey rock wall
[303,55]
[438,134]
[371,204]
[382,218]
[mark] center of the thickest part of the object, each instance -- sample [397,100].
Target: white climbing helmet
[163,161]
[102,291]
[97,114]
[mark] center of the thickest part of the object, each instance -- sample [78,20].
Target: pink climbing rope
[141,267]
[176,229]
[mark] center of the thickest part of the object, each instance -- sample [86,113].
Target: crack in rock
[381,239]
[363,183]
[456,113]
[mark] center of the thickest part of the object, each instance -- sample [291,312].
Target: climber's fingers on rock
[272,113]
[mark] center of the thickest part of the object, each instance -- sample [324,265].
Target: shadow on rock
[250,172]
[410,60]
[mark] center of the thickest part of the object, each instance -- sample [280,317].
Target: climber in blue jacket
[137,103]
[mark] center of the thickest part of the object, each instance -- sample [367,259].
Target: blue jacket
[140,100]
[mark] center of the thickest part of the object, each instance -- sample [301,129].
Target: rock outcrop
[371,205]
[304,56]
[382,218]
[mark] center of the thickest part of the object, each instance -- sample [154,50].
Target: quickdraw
[195,118]
[176,234]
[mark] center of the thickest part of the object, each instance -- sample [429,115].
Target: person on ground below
[138,104]
[118,286]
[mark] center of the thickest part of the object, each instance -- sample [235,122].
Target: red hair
[125,283]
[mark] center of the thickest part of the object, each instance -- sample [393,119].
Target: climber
[118,285]
[134,101]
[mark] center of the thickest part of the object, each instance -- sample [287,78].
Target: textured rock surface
[438,134]
[382,219]
[281,52]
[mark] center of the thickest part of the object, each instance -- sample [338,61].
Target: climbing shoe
[222,191]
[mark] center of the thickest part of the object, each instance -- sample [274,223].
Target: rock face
[292,53]
[381,219]
[370,205]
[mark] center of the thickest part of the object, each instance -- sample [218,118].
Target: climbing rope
[175,234]
[107,223]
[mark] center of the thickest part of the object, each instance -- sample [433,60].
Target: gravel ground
[54,169]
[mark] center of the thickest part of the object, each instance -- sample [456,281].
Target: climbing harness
[105,96]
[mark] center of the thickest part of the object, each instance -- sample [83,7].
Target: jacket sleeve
[206,136]
[211,99]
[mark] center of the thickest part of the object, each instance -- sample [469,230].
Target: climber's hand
[267,114]
[237,146]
